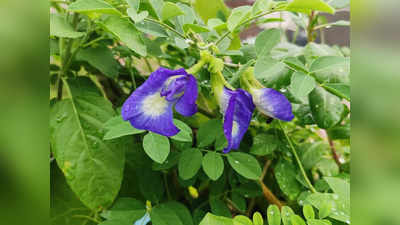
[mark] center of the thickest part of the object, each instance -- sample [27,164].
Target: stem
[165,26]
[129,67]
[148,65]
[271,198]
[196,67]
[303,172]
[166,186]
[310,29]
[87,217]
[333,150]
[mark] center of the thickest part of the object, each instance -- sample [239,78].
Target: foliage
[105,171]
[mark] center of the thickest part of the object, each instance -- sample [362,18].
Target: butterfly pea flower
[236,106]
[150,106]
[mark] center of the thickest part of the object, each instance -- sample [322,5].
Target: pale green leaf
[93,7]
[213,165]
[156,147]
[267,40]
[306,6]
[101,58]
[273,215]
[245,164]
[170,10]
[117,127]
[185,133]
[238,16]
[301,84]
[59,27]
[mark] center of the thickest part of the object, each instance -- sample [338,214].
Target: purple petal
[237,117]
[147,109]
[186,104]
[273,104]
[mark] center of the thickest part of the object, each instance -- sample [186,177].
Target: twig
[333,150]
[271,198]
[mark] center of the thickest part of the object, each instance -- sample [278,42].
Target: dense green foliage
[104,171]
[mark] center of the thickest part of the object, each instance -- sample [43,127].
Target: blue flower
[150,106]
[237,107]
[272,103]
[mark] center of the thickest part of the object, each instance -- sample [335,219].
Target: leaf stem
[296,156]
[166,186]
[269,196]
[333,150]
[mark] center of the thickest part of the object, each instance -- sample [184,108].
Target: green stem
[196,67]
[296,156]
[129,67]
[165,26]
[166,186]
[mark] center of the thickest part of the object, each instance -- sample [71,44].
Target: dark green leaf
[238,201]
[156,146]
[100,58]
[213,165]
[263,144]
[313,153]
[189,163]
[124,30]
[93,168]
[151,189]
[285,174]
[208,131]
[338,89]
[326,108]
[59,27]
[218,207]
[181,211]
[245,164]
[163,215]
[125,209]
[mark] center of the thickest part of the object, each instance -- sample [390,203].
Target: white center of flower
[261,103]
[235,128]
[154,105]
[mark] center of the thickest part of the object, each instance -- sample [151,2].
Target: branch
[271,198]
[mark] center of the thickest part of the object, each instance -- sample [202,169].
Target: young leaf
[301,84]
[306,6]
[267,40]
[117,127]
[263,144]
[156,146]
[185,133]
[261,6]
[297,220]
[319,222]
[273,215]
[208,11]
[213,165]
[287,212]
[101,58]
[92,6]
[137,17]
[242,220]
[92,167]
[326,108]
[59,27]
[245,164]
[258,219]
[308,212]
[238,15]
[211,219]
[170,10]
[124,30]
[189,163]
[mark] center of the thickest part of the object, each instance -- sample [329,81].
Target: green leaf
[117,127]
[92,167]
[238,16]
[287,212]
[325,209]
[125,209]
[301,84]
[189,163]
[340,132]
[308,212]
[245,164]
[261,6]
[170,10]
[267,40]
[327,63]
[272,73]
[100,58]
[242,220]
[328,167]
[124,30]
[163,215]
[135,4]
[216,24]
[306,6]
[151,189]
[151,28]
[326,108]
[285,174]
[258,219]
[181,211]
[313,153]
[213,165]
[297,220]
[339,4]
[59,27]
[273,215]
[211,219]
[218,207]
[157,6]
[339,89]
[264,144]
[319,222]
[185,133]
[206,10]
[195,28]
[137,17]
[172,160]
[295,64]
[156,146]
[93,7]
[208,132]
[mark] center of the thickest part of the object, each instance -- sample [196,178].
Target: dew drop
[237,162]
